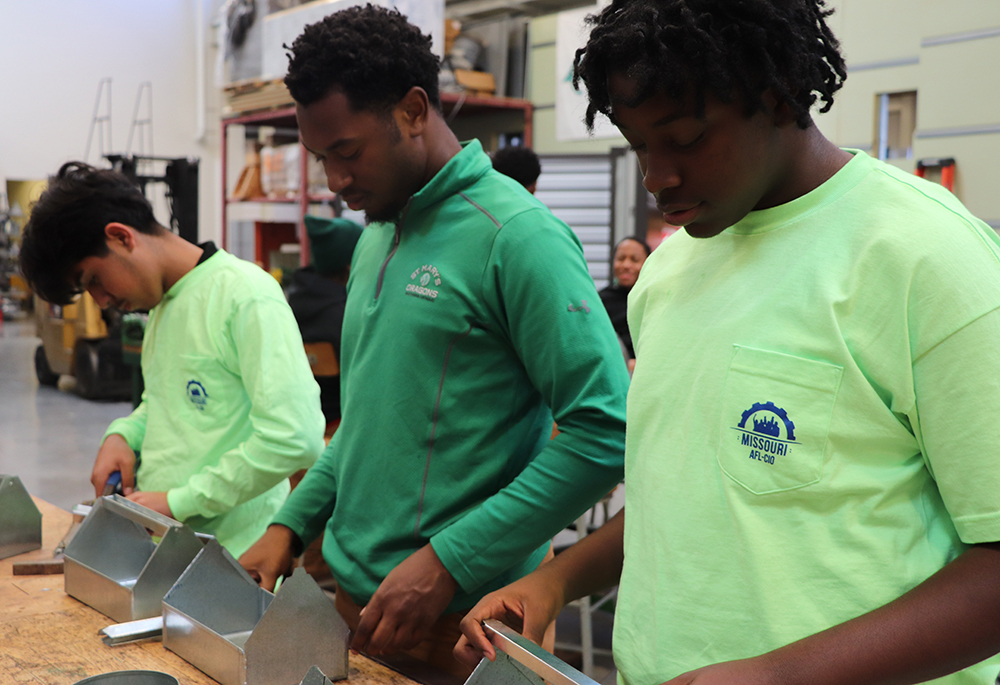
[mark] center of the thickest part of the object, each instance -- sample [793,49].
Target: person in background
[630,255]
[520,163]
[230,408]
[812,422]
[318,293]
[466,332]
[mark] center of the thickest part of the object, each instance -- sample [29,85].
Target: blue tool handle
[113,483]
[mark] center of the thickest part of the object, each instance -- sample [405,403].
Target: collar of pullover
[461,171]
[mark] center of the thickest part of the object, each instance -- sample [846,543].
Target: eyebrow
[332,146]
[669,119]
[662,121]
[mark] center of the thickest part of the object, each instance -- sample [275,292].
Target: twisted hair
[67,225]
[729,48]
[372,54]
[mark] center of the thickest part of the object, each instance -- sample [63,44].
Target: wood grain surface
[49,638]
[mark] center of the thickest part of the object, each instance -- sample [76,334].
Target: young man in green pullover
[471,322]
[230,407]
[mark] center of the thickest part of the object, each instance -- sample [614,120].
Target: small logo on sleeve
[197,395]
[424,282]
[582,307]
[767,431]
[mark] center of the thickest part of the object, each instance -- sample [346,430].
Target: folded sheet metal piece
[20,520]
[314,676]
[525,654]
[218,619]
[133,631]
[502,671]
[114,565]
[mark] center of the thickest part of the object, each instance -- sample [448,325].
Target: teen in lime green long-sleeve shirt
[230,408]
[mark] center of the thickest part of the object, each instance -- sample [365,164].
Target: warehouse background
[58,51]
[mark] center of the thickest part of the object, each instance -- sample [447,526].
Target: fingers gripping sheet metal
[521,662]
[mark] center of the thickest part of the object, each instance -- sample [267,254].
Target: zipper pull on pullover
[395,246]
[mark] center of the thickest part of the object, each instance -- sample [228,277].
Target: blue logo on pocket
[196,393]
[767,431]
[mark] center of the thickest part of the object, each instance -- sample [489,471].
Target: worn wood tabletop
[49,638]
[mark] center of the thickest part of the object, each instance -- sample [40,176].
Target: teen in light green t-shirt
[811,430]
[230,408]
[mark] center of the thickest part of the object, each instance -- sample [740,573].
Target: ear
[413,111]
[778,108]
[121,235]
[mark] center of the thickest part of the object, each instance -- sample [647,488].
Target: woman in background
[630,255]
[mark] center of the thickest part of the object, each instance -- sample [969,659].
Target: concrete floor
[48,437]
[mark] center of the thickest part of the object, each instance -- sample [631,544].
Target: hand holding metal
[526,653]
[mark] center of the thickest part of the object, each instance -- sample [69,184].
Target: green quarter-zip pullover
[470,324]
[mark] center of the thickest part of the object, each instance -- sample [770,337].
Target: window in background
[895,121]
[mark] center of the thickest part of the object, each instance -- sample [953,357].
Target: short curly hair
[372,54]
[729,48]
[67,225]
[520,163]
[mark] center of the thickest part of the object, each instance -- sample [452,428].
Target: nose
[100,296]
[659,173]
[337,177]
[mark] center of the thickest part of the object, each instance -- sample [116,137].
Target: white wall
[54,54]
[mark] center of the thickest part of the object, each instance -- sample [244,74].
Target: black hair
[729,48]
[520,163]
[67,225]
[372,54]
[643,243]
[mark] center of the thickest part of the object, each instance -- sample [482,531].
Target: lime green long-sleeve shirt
[230,408]
[468,327]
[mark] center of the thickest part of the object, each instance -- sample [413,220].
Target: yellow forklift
[82,341]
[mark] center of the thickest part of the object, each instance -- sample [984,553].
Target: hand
[114,455]
[527,605]
[157,501]
[405,605]
[755,671]
[271,557]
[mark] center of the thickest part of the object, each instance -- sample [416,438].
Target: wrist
[442,572]
[285,537]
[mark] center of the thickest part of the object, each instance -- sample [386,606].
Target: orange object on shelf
[945,164]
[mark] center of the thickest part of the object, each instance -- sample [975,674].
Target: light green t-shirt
[230,407]
[812,423]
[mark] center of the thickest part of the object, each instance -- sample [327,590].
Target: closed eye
[690,144]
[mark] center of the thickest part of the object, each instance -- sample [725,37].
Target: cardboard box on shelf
[476,82]
[255,95]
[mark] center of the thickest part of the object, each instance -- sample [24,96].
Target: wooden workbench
[49,638]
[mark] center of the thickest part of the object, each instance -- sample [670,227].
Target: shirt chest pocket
[776,411]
